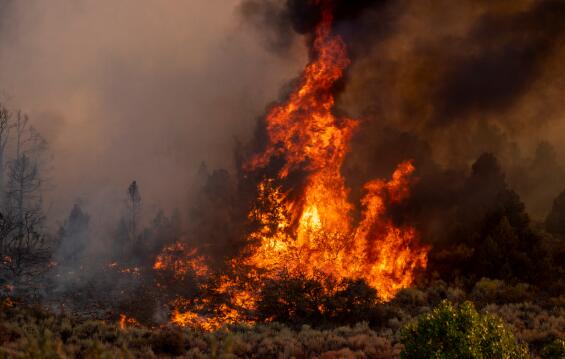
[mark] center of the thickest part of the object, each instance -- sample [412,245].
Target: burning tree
[302,222]
[309,142]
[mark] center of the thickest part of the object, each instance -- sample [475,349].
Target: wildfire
[181,260]
[310,138]
[126,321]
[309,229]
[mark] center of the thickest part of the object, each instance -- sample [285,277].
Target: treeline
[74,261]
[491,235]
[489,252]
[476,224]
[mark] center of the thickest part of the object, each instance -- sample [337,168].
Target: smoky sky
[135,90]
[147,90]
[444,82]
[460,79]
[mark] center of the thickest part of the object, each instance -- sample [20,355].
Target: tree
[22,242]
[73,236]
[134,210]
[453,332]
[24,250]
[555,221]
[23,192]
[161,232]
[493,236]
[5,127]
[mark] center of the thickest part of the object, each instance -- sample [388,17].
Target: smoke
[136,90]
[281,20]
[486,80]
[142,91]
[443,83]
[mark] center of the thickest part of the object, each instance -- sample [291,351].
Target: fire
[310,138]
[308,229]
[135,271]
[126,321]
[181,260]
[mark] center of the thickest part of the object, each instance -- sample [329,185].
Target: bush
[169,342]
[459,332]
[554,350]
[532,323]
[298,301]
[497,291]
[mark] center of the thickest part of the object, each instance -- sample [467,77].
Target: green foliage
[459,332]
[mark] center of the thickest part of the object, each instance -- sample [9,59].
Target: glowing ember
[125,322]
[181,260]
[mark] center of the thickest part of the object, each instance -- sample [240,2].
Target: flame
[309,229]
[126,321]
[310,138]
[181,260]
[135,271]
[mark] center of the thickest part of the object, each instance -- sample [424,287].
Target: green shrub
[451,331]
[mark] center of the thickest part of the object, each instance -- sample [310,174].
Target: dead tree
[24,177]
[22,243]
[5,126]
[24,250]
[133,210]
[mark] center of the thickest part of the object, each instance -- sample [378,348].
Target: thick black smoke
[469,90]
[505,54]
[280,20]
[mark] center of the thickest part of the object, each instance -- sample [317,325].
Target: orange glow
[181,260]
[310,138]
[124,322]
[309,229]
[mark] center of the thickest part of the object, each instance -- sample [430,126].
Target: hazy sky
[135,89]
[147,89]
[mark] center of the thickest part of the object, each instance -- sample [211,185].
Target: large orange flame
[310,230]
[310,138]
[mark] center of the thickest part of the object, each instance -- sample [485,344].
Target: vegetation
[491,254]
[554,350]
[408,323]
[459,332]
